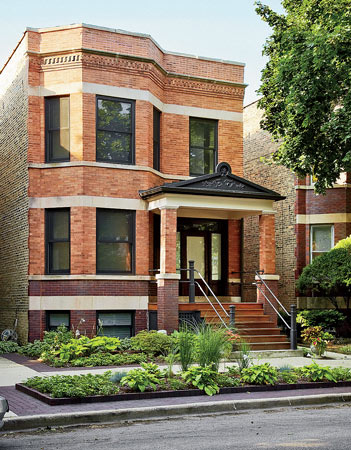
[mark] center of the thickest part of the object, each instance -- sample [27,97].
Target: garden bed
[179,393]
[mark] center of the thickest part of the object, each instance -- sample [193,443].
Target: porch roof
[222,183]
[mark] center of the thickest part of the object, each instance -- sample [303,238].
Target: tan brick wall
[257,143]
[14,205]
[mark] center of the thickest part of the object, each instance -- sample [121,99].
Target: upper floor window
[57,129]
[203,146]
[156,138]
[114,241]
[322,239]
[115,130]
[57,241]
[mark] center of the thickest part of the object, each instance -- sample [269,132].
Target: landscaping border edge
[180,393]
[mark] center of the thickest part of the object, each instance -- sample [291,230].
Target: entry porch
[201,219]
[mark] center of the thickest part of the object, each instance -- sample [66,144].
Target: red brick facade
[132,67]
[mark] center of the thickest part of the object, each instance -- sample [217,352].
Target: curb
[162,412]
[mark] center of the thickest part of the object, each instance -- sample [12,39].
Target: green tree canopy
[329,274]
[306,95]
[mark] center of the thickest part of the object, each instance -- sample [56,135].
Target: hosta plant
[204,378]
[260,374]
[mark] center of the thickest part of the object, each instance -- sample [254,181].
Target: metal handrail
[212,293]
[275,309]
[213,307]
[270,291]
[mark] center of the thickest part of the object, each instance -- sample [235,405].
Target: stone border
[180,393]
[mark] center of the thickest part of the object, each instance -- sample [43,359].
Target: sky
[225,29]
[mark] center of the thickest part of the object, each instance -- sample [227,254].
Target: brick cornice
[113,59]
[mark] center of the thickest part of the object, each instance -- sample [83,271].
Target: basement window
[116,324]
[55,319]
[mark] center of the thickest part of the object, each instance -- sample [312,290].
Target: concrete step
[270,346]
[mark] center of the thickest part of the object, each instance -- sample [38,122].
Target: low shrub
[51,342]
[326,318]
[204,378]
[107,359]
[260,374]
[8,347]
[35,349]
[151,342]
[74,385]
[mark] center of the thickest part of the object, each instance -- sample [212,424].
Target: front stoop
[256,328]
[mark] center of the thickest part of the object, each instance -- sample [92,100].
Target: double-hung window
[57,142]
[115,241]
[322,239]
[203,146]
[57,241]
[115,130]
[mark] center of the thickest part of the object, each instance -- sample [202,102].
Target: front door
[203,241]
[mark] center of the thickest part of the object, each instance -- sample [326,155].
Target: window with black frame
[57,241]
[203,146]
[57,129]
[115,130]
[116,324]
[55,319]
[114,241]
[156,138]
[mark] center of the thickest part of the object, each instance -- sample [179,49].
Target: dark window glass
[203,146]
[157,138]
[115,235]
[117,324]
[55,319]
[57,241]
[115,128]
[57,129]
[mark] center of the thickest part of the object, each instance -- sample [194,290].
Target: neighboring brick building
[306,224]
[109,147]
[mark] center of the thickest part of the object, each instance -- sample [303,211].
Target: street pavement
[326,428]
[25,409]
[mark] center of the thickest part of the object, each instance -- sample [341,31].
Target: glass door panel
[216,257]
[195,250]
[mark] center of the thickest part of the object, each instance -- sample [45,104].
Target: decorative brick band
[90,287]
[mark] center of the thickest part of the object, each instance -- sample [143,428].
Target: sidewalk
[27,412]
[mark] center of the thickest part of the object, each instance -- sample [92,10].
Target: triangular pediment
[220,183]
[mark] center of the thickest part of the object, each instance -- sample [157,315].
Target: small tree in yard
[329,275]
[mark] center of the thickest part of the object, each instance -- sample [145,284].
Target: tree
[306,95]
[329,274]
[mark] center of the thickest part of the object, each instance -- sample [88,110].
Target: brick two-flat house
[110,183]
[306,224]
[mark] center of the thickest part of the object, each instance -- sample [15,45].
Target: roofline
[132,33]
[13,52]
[194,191]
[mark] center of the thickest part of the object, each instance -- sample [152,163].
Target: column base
[167,302]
